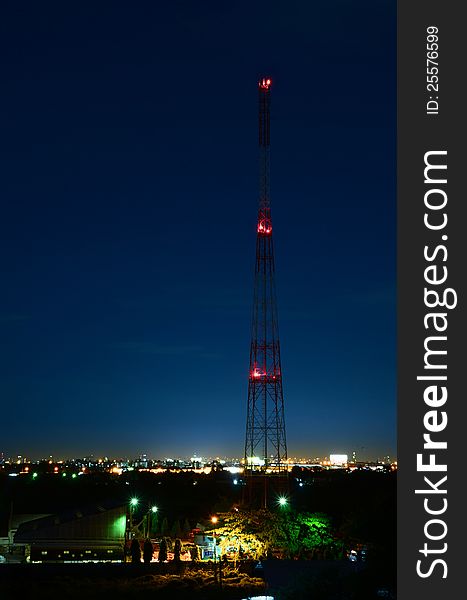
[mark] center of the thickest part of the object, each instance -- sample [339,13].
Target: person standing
[147,551]
[135,551]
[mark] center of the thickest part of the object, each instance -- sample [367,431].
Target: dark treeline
[361,504]
[178,496]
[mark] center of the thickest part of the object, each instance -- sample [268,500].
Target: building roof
[97,523]
[19,519]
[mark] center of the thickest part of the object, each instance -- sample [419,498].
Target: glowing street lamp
[282,501]
[214,521]
[152,511]
[133,504]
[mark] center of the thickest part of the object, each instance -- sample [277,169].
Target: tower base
[263,490]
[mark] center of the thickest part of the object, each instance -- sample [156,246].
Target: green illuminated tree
[293,534]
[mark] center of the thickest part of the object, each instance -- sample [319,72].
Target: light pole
[152,511]
[214,521]
[133,504]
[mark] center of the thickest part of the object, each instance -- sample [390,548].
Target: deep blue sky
[129,192]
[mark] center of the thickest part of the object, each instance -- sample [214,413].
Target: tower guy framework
[265,443]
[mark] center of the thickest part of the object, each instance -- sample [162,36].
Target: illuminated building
[94,534]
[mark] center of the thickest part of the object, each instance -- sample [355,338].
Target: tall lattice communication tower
[265,443]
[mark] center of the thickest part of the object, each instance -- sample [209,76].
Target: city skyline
[131,193]
[205,460]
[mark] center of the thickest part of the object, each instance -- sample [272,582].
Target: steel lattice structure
[265,443]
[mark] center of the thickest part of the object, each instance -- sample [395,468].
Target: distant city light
[255,460]
[282,501]
[134,502]
[214,520]
[233,469]
[71,468]
[154,509]
[338,459]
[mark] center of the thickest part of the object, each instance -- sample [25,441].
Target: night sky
[129,186]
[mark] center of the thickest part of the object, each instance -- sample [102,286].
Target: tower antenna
[265,441]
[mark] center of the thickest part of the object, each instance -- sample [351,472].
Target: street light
[133,504]
[214,521]
[152,511]
[282,501]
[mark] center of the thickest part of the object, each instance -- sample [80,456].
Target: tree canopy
[262,531]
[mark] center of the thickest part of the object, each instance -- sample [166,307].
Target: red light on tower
[264,226]
[265,83]
[256,373]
